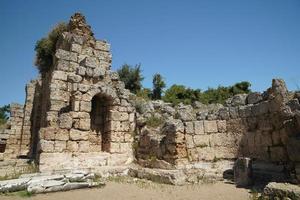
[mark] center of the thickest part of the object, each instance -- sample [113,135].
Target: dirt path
[124,191]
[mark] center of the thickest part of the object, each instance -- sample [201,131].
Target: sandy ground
[123,191]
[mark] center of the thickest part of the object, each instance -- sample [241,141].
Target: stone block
[243,172]
[65,121]
[221,126]
[60,146]
[276,138]
[63,65]
[278,154]
[83,87]
[85,106]
[283,191]
[189,141]
[79,135]
[91,62]
[199,127]
[99,72]
[189,128]
[254,97]
[76,48]
[260,109]
[84,124]
[72,146]
[201,140]
[89,72]
[210,126]
[74,78]
[81,71]
[223,140]
[125,147]
[119,116]
[114,147]
[293,148]
[66,55]
[60,75]
[117,136]
[102,45]
[119,126]
[62,135]
[46,146]
[83,146]
[48,133]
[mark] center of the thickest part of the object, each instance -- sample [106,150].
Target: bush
[154,121]
[180,94]
[4,112]
[132,77]
[45,48]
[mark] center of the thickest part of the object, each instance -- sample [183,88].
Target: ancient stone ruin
[79,116]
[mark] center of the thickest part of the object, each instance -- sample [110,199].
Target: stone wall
[81,72]
[264,127]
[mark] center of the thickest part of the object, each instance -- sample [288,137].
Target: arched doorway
[100,120]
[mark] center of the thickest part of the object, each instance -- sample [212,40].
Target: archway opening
[100,121]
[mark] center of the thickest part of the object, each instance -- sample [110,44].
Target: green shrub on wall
[45,48]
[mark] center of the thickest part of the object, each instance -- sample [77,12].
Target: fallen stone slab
[43,183]
[56,186]
[173,177]
[281,191]
[14,185]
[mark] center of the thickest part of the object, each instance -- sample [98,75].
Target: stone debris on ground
[40,183]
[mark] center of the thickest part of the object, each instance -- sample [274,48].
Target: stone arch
[104,90]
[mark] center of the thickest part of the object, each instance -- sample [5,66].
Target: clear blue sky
[196,43]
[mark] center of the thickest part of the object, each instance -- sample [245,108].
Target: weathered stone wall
[263,127]
[12,150]
[81,72]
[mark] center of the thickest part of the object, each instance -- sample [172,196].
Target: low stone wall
[264,127]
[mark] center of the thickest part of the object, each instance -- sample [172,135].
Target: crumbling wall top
[78,25]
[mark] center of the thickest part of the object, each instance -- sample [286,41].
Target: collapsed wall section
[263,127]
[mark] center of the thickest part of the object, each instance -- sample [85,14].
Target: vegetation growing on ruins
[154,121]
[158,86]
[176,94]
[45,48]
[4,110]
[132,77]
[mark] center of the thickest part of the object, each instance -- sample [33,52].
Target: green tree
[132,77]
[240,88]
[45,48]
[4,110]
[158,86]
[180,94]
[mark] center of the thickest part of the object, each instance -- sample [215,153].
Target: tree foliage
[158,86]
[4,110]
[132,77]
[45,48]
[181,94]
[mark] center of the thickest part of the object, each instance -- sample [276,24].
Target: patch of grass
[22,193]
[154,122]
